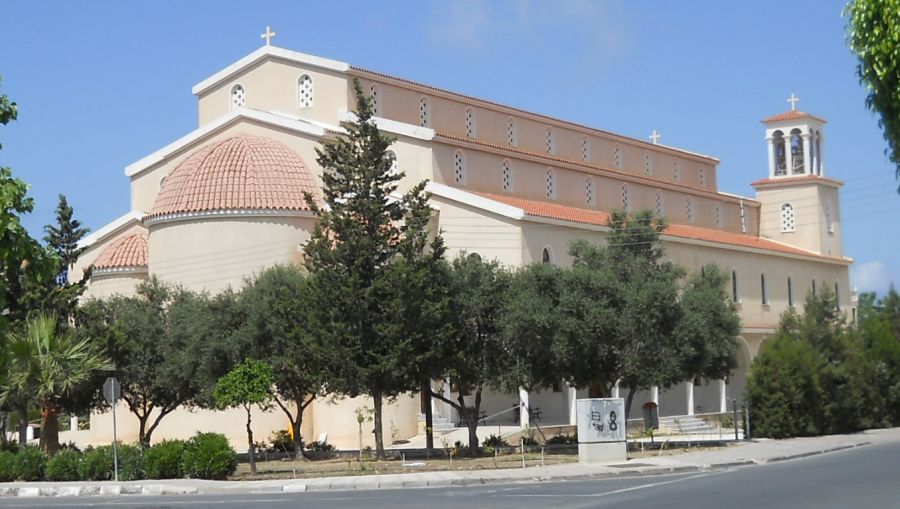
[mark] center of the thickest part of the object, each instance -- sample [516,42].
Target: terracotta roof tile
[596,217]
[125,252]
[795,179]
[790,115]
[243,172]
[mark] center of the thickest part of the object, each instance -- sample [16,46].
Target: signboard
[111,390]
[600,420]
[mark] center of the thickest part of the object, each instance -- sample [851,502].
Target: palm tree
[48,363]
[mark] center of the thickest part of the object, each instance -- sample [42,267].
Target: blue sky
[102,84]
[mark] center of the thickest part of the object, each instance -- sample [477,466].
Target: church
[226,200]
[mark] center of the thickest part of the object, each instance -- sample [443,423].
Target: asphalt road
[866,477]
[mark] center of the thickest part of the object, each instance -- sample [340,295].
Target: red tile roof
[126,252]
[790,115]
[796,179]
[239,173]
[598,218]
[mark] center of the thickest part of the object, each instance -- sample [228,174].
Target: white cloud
[871,277]
[461,24]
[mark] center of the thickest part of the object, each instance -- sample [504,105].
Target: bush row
[205,456]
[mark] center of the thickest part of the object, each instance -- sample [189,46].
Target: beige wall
[471,230]
[214,254]
[271,85]
[337,417]
[106,285]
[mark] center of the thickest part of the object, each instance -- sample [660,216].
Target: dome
[127,252]
[238,173]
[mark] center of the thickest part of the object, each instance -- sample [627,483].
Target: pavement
[745,453]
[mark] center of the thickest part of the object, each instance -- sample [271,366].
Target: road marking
[616,492]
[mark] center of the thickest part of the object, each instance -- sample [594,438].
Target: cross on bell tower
[793,100]
[655,136]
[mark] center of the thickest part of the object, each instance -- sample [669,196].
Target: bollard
[734,409]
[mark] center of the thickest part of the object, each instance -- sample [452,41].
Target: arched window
[585,149]
[474,257]
[506,176]
[617,157]
[818,166]
[470,123]
[551,184]
[162,182]
[424,112]
[779,150]
[718,217]
[551,141]
[547,256]
[837,297]
[305,91]
[814,287]
[796,152]
[648,163]
[459,167]
[762,289]
[790,293]
[788,221]
[829,224]
[511,136]
[676,171]
[238,97]
[626,199]
[590,191]
[395,167]
[735,297]
[689,210]
[375,97]
[660,211]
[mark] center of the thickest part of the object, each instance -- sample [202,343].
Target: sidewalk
[749,453]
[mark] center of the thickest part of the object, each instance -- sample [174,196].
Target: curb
[388,482]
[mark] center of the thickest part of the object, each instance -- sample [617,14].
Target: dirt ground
[287,469]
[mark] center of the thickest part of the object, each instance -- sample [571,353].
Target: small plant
[163,460]
[97,464]
[281,441]
[209,456]
[529,441]
[726,421]
[64,466]
[494,442]
[30,463]
[562,439]
[320,446]
[7,466]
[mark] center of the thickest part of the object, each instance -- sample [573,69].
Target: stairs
[687,424]
[439,425]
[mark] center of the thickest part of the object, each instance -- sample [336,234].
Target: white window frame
[231,96]
[312,90]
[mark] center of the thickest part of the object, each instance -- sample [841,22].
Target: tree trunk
[628,400]
[379,437]
[251,447]
[429,417]
[50,428]
[473,423]
[597,389]
[143,437]
[23,424]
[4,421]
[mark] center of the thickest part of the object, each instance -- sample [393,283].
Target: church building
[226,200]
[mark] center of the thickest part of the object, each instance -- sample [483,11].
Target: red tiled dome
[126,252]
[239,173]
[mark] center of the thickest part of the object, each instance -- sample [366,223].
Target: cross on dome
[655,136]
[268,36]
[793,100]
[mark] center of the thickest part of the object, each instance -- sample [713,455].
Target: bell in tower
[795,142]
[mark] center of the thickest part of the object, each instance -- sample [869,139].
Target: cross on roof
[655,136]
[268,36]
[793,100]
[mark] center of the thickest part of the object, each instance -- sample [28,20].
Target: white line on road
[615,492]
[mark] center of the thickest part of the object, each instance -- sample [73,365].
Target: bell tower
[799,205]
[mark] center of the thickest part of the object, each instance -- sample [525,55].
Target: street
[868,477]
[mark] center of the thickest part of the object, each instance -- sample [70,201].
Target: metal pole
[115,446]
[747,435]
[734,409]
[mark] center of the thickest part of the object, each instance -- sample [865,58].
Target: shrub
[163,460]
[7,466]
[209,456]
[131,467]
[97,464]
[30,463]
[64,466]
[494,441]
[562,439]
[281,441]
[320,446]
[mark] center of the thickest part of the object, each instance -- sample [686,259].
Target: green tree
[249,384]
[362,231]
[152,338]
[277,330]
[49,362]
[471,354]
[874,36]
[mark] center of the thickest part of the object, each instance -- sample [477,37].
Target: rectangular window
[762,288]
[734,287]
[790,293]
